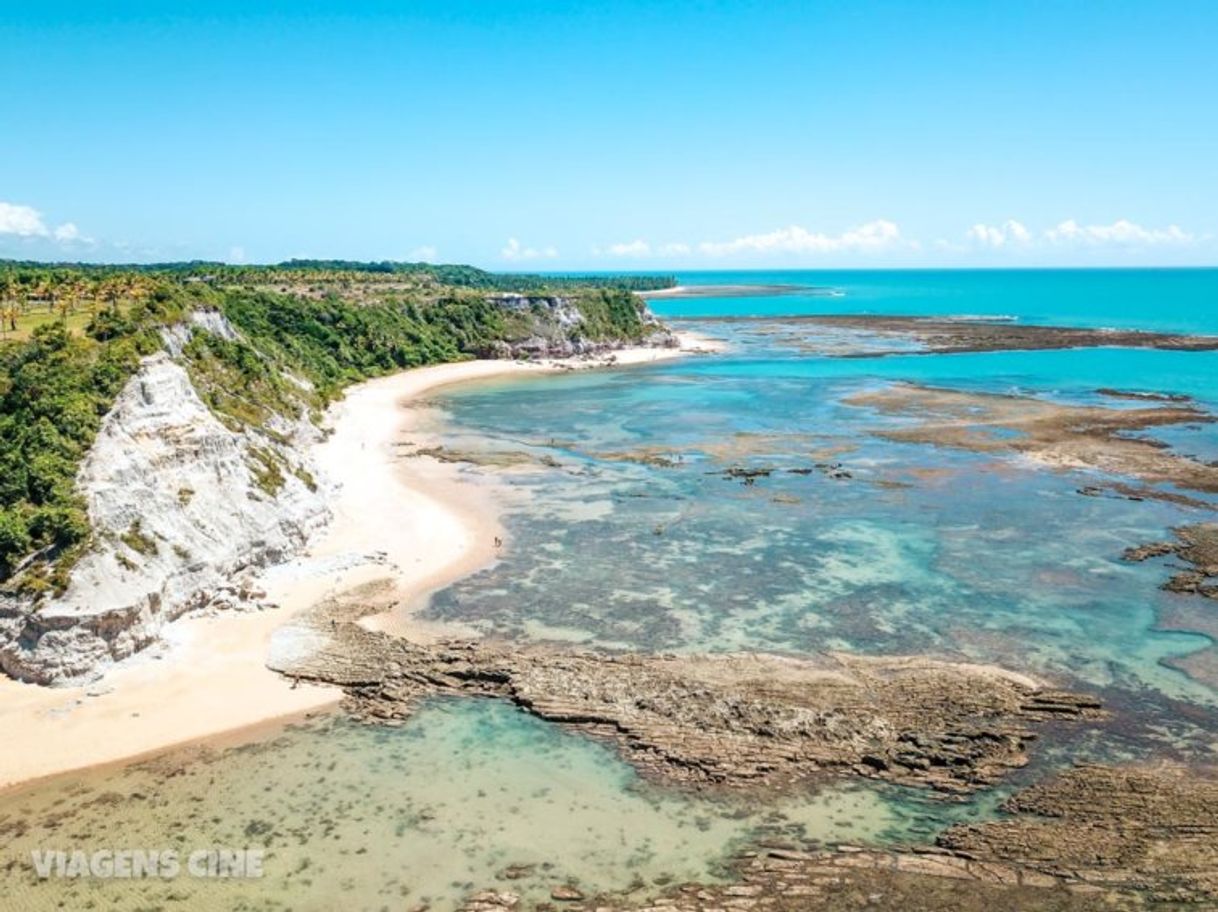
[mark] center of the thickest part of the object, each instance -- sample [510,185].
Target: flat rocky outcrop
[851,879]
[179,521]
[945,335]
[723,720]
[1198,546]
[1051,433]
[1150,831]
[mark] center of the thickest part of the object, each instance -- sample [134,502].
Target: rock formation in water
[946,335]
[727,720]
[1198,546]
[1053,434]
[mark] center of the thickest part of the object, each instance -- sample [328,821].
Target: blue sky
[658,135]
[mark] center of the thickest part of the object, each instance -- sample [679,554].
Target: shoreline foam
[210,677]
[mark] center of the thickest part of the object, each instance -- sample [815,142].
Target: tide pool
[920,550]
[635,542]
[467,795]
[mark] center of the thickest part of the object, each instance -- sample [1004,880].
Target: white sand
[410,521]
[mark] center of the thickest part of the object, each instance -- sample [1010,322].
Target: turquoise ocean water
[625,534]
[924,549]
[1167,300]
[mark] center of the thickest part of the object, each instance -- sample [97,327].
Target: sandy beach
[729,291]
[410,523]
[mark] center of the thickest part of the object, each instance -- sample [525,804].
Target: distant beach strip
[741,291]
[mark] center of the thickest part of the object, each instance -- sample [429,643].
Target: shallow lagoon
[358,817]
[633,540]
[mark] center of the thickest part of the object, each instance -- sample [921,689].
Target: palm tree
[112,290]
[7,303]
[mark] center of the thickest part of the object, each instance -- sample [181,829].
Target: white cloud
[1121,233]
[515,251]
[638,248]
[1010,237]
[424,254]
[236,255]
[995,236]
[27,222]
[23,221]
[872,236]
[68,234]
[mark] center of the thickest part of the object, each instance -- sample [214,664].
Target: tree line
[94,324]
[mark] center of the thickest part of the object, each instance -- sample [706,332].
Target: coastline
[413,524]
[732,291]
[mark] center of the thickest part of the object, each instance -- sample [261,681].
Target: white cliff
[182,515]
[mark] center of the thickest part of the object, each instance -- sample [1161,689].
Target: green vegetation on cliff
[611,314]
[55,388]
[71,337]
[333,343]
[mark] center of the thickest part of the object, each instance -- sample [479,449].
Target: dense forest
[330,272]
[73,335]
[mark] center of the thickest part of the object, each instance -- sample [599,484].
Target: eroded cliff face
[549,326]
[183,512]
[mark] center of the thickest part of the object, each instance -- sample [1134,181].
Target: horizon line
[590,271]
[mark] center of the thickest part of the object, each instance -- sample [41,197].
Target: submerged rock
[1093,838]
[945,335]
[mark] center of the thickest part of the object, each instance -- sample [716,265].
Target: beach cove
[833,610]
[415,524]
